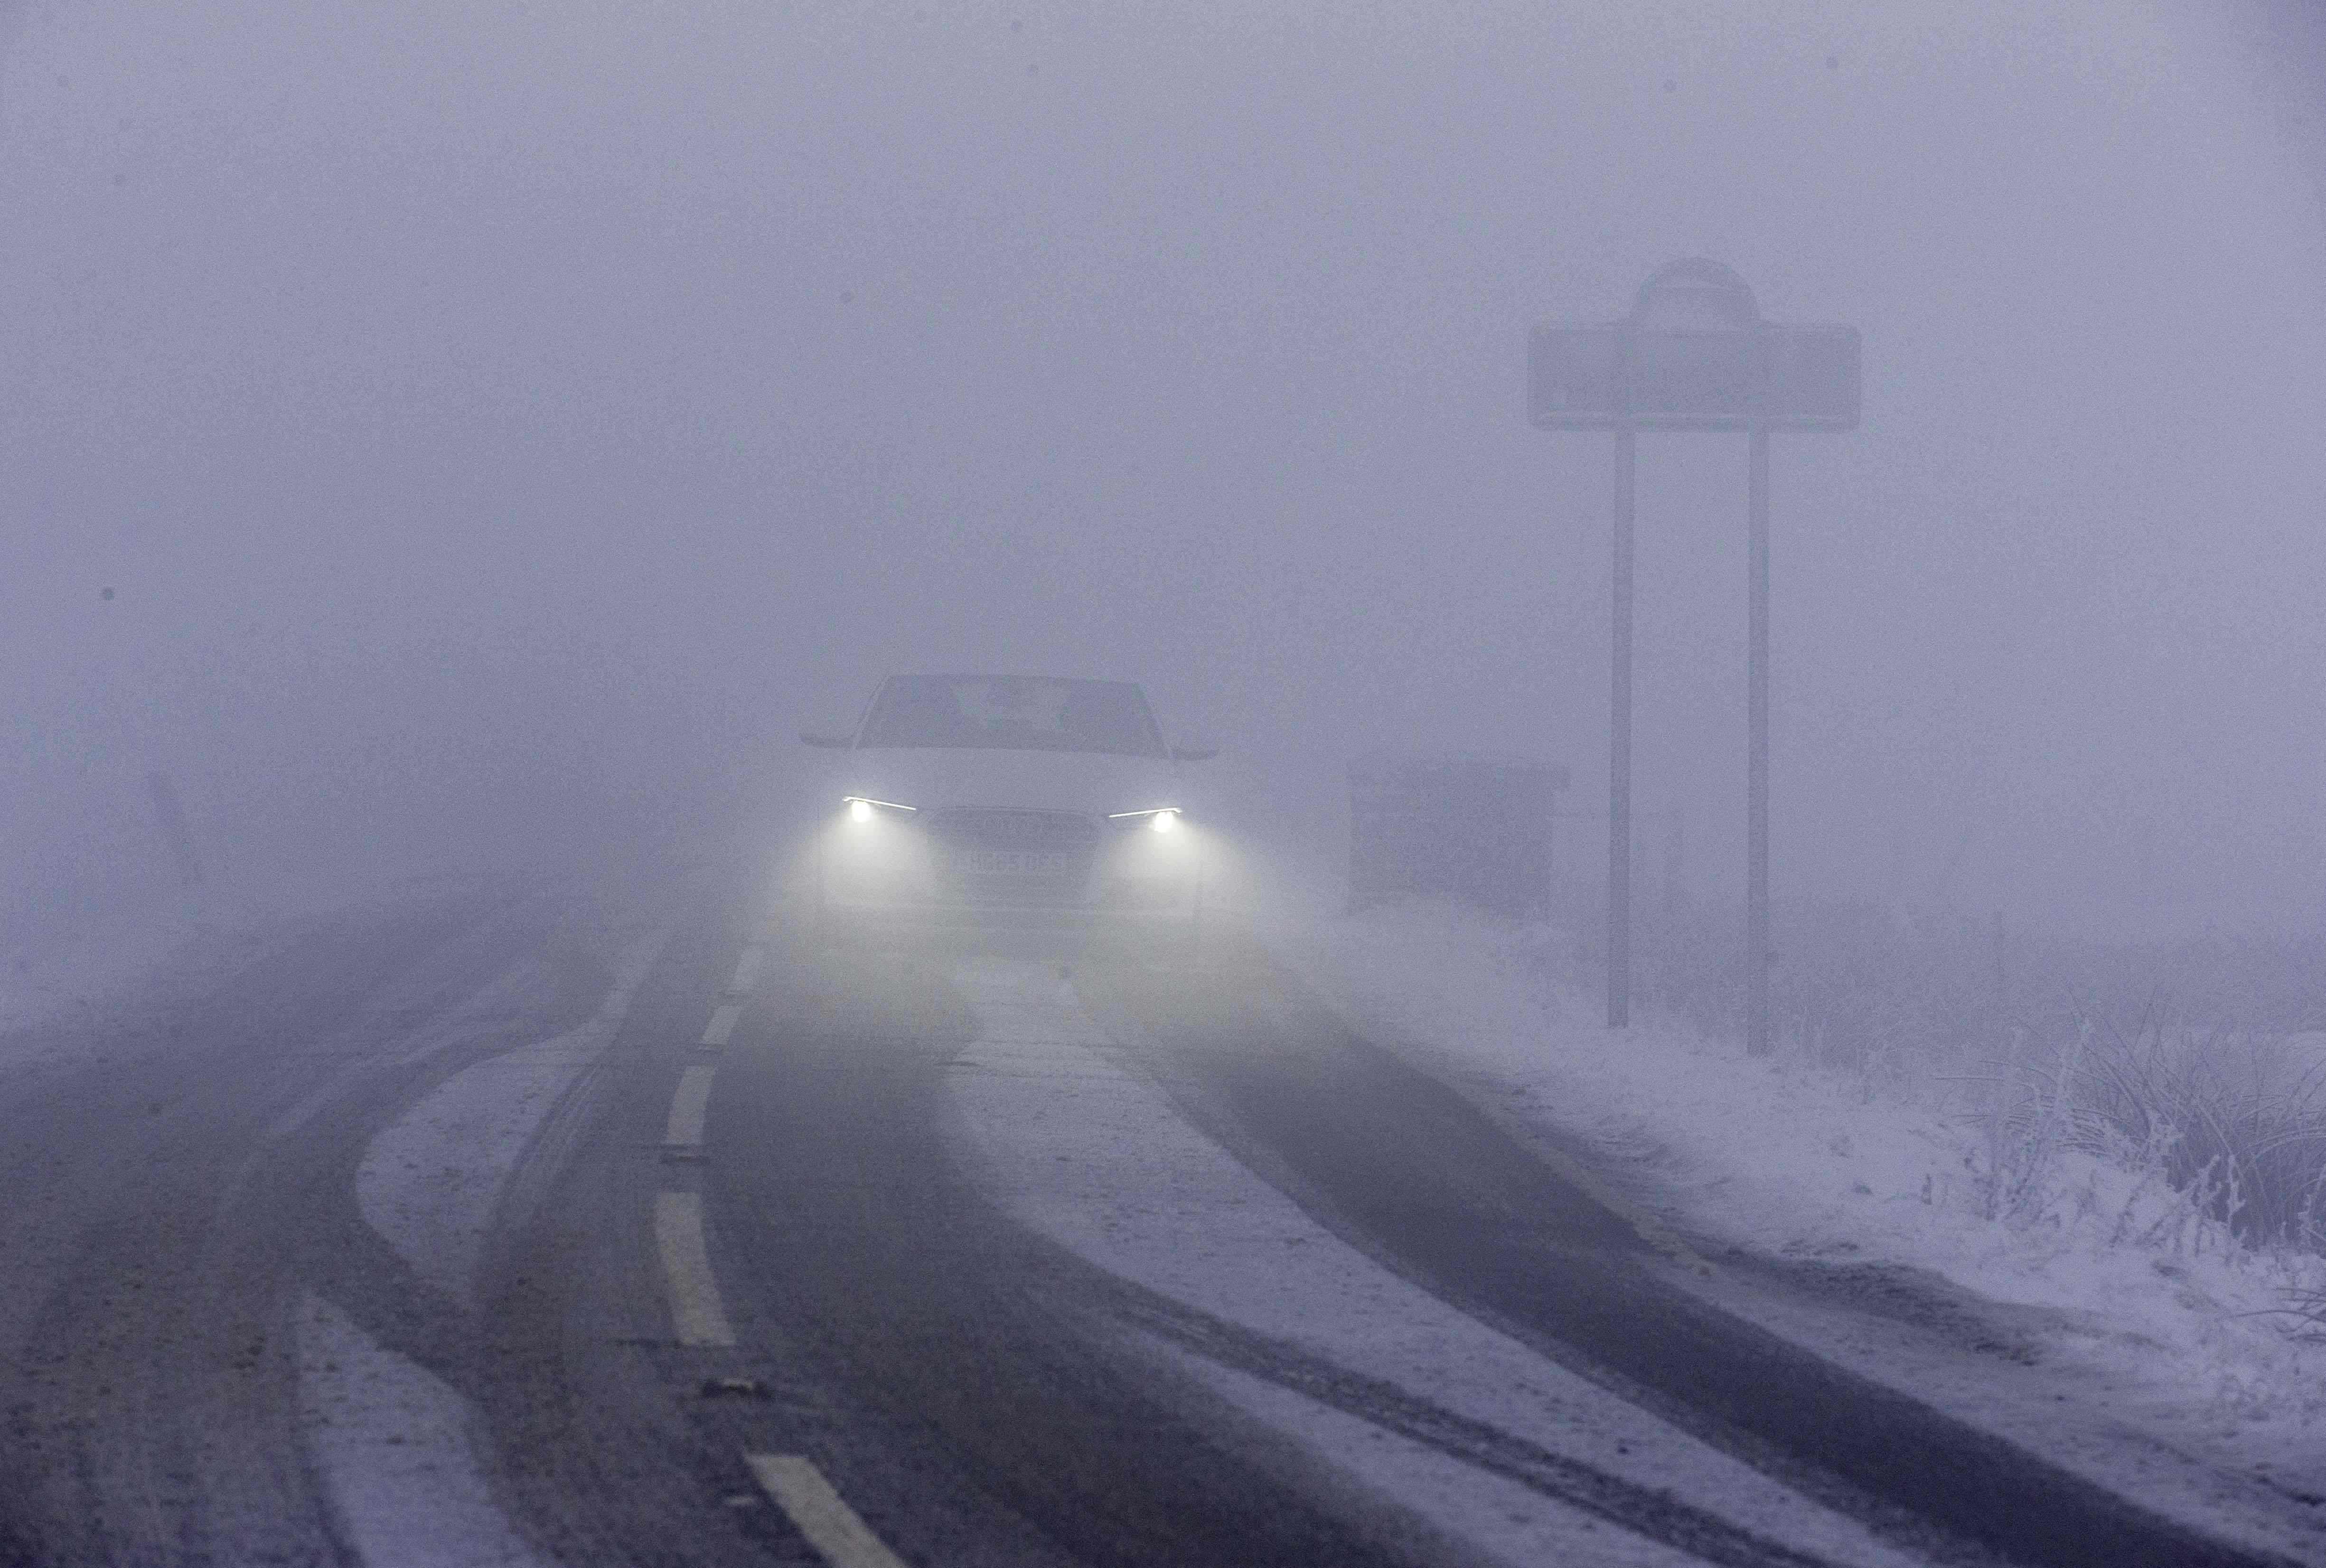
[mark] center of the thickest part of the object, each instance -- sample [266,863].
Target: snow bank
[2101,1268]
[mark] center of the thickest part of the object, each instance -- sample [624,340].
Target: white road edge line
[722,1024]
[822,1513]
[688,1106]
[747,972]
[696,1311]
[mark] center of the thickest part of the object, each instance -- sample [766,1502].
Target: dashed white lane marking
[696,1311]
[688,1106]
[722,1024]
[747,972]
[822,1513]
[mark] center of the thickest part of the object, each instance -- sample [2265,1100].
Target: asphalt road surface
[475,1230]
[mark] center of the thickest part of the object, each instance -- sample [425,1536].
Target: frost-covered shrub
[2233,1116]
[2179,1058]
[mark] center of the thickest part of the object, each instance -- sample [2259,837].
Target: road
[474,1230]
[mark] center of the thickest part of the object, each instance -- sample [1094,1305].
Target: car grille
[1011,829]
[1012,856]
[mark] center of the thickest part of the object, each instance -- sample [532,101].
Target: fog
[499,425]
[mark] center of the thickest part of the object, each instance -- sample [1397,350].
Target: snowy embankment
[2092,1306]
[57,983]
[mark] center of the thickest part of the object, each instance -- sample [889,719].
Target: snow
[1501,1518]
[1067,1136]
[62,969]
[433,1182]
[2090,1312]
[400,1450]
[50,982]
[2102,1315]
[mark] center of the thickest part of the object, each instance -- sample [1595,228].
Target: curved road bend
[739,1300]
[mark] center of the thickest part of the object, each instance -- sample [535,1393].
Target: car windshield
[1013,713]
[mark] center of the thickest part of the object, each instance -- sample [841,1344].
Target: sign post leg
[1619,755]
[1756,787]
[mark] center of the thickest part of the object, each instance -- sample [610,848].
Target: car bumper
[896,874]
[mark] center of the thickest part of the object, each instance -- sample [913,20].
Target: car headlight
[1158,819]
[864,808]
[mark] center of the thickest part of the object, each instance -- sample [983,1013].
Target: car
[1012,800]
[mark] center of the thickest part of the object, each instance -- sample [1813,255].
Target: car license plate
[1012,863]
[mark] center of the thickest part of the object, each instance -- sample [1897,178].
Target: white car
[1009,799]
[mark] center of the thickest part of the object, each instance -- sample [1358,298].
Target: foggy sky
[500,418]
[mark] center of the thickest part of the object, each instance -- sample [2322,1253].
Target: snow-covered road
[428,1237]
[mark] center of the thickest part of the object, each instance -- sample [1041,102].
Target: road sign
[1694,354]
[1776,375]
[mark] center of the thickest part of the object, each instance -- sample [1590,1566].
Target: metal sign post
[1619,754]
[1694,354]
[1757,957]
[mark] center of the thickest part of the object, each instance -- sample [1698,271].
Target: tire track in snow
[1383,1155]
[1215,1261]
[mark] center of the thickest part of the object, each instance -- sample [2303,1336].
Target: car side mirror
[1194,751]
[832,740]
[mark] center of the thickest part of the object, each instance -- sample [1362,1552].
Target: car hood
[933,777]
